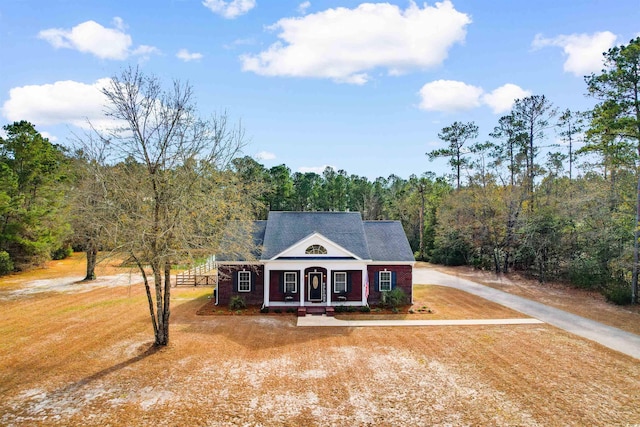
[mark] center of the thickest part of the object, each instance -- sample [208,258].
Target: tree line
[161,186]
[554,193]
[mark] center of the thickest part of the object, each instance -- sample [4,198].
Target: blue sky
[364,87]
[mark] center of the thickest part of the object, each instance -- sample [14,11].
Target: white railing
[202,274]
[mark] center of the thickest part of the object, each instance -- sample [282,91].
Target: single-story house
[318,259]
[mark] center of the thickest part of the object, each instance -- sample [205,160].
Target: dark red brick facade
[227,284]
[403,280]
[227,288]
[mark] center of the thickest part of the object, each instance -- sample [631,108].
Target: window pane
[244,281]
[340,282]
[385,281]
[290,282]
[316,250]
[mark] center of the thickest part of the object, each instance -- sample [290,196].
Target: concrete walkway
[608,336]
[310,320]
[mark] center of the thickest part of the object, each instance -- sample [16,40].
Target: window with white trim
[384,281]
[290,282]
[339,282]
[316,250]
[244,281]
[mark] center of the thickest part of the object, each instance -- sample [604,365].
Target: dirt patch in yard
[85,359]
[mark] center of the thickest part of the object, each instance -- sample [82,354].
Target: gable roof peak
[286,228]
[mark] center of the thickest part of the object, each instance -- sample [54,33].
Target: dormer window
[316,250]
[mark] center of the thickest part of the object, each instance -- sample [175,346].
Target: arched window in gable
[316,250]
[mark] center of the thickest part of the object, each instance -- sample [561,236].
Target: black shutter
[376,281]
[254,276]
[234,281]
[281,282]
[393,280]
[349,282]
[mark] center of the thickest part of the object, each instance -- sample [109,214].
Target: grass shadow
[71,388]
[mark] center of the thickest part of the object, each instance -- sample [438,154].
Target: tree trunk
[422,223]
[505,269]
[167,298]
[92,256]
[636,255]
[161,333]
[147,289]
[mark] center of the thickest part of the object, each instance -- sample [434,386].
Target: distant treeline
[516,202]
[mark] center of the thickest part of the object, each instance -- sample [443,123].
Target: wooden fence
[205,274]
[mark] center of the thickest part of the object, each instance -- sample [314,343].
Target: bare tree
[168,184]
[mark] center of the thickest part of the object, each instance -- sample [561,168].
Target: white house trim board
[333,249]
[411,263]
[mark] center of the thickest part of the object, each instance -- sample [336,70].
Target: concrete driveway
[608,336]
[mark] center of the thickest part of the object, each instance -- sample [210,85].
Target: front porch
[315,287]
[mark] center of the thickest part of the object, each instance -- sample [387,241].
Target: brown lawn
[84,358]
[589,304]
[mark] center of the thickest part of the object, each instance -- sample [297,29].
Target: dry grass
[589,304]
[85,359]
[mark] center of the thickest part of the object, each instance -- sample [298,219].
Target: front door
[315,287]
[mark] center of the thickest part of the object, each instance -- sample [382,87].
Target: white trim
[380,281]
[392,263]
[222,263]
[364,282]
[245,281]
[295,282]
[267,286]
[335,281]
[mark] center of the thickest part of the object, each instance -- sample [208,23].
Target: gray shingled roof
[285,229]
[375,240]
[387,241]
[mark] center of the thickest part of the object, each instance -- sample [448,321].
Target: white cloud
[229,9]
[315,169]
[239,42]
[302,7]
[187,56]
[91,37]
[144,52]
[501,99]
[63,102]
[449,95]
[265,155]
[453,96]
[345,44]
[50,137]
[583,51]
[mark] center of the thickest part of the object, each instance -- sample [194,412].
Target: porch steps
[303,311]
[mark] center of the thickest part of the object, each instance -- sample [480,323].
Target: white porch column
[329,285]
[363,287]
[267,278]
[303,286]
